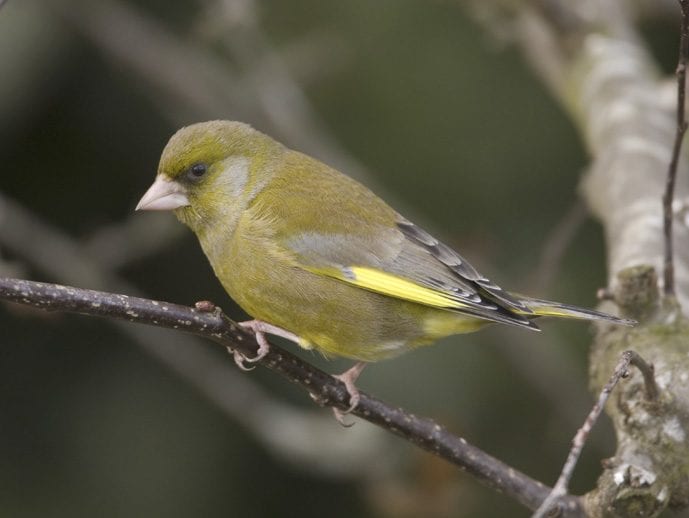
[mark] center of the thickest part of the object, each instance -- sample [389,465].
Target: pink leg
[260,329]
[349,378]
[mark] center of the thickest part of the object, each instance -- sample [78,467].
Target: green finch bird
[314,256]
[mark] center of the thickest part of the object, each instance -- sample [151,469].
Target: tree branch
[61,257]
[597,65]
[325,389]
[668,195]
[621,370]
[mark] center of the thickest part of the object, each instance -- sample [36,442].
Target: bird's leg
[260,329]
[206,306]
[349,378]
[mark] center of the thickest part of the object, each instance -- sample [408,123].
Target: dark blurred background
[413,98]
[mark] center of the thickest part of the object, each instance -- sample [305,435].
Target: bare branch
[597,65]
[556,245]
[648,372]
[136,238]
[60,257]
[327,390]
[561,486]
[668,196]
[592,57]
[164,59]
[648,470]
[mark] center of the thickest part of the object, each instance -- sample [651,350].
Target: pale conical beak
[164,194]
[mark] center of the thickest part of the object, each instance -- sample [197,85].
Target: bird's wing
[408,263]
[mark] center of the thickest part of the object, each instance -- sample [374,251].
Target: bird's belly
[326,314]
[332,316]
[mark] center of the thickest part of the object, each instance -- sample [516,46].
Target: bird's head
[210,170]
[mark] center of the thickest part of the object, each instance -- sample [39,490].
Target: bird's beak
[164,194]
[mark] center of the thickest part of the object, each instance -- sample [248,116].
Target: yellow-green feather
[391,285]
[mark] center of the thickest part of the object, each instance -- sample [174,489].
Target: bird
[316,257]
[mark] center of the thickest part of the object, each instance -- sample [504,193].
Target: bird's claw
[339,415]
[263,345]
[349,377]
[354,399]
[239,359]
[259,328]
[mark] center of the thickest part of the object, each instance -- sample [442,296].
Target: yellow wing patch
[393,285]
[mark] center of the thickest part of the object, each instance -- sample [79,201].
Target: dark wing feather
[465,273]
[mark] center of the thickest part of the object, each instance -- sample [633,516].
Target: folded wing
[408,263]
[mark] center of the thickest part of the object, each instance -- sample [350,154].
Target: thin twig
[556,243]
[423,432]
[669,269]
[621,369]
[133,239]
[648,372]
[165,60]
[553,375]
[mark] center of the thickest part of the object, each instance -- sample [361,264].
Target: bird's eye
[196,172]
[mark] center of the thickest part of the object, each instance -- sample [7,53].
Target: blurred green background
[413,98]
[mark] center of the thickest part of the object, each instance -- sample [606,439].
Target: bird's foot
[349,378]
[260,329]
[206,306]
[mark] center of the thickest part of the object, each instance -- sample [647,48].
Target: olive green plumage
[301,246]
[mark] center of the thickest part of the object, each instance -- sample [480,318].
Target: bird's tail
[547,308]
